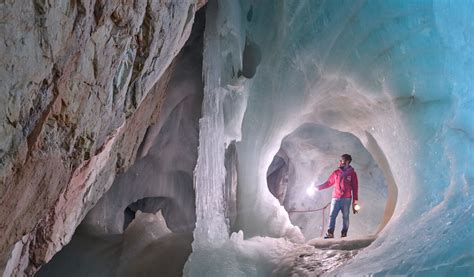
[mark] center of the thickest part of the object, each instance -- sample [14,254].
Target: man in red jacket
[344,180]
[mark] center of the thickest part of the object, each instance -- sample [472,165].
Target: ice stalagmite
[222,42]
[211,228]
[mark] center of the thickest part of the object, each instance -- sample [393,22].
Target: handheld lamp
[310,191]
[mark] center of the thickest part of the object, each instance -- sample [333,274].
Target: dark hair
[346,157]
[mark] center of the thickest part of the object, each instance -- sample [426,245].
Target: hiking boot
[329,235]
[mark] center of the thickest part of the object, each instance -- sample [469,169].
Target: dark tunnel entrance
[147,205]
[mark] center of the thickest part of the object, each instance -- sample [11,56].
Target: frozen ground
[147,248]
[319,256]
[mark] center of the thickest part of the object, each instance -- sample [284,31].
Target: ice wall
[397,75]
[229,59]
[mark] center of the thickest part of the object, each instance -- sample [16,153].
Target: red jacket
[345,182]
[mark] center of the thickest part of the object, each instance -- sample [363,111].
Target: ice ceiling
[395,74]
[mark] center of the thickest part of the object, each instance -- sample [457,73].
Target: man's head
[345,160]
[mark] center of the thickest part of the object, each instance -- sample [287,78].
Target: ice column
[221,61]
[223,104]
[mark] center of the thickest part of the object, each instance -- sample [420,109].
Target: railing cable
[323,209]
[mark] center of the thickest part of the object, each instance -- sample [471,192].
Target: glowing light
[311,191]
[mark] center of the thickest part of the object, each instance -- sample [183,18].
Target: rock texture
[122,234]
[162,176]
[80,89]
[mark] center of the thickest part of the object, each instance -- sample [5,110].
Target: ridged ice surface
[398,76]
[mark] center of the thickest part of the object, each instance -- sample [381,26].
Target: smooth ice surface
[395,74]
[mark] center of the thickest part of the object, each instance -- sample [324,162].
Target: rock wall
[162,176]
[121,234]
[77,79]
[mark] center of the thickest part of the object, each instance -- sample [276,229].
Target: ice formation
[313,152]
[395,74]
[288,86]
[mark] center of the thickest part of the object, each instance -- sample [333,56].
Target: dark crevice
[277,176]
[41,8]
[250,14]
[230,188]
[99,12]
[144,39]
[251,58]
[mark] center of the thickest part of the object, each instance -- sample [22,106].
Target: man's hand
[355,207]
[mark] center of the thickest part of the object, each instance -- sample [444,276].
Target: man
[346,188]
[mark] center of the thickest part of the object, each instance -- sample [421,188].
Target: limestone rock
[77,78]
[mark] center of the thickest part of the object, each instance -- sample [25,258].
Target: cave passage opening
[306,157]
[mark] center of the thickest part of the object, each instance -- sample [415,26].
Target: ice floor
[319,256]
[165,256]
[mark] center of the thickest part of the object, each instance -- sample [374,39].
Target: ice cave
[182,137]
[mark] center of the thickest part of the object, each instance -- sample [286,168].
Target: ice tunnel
[394,74]
[305,157]
[259,104]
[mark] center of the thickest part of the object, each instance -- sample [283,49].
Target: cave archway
[307,156]
[150,205]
